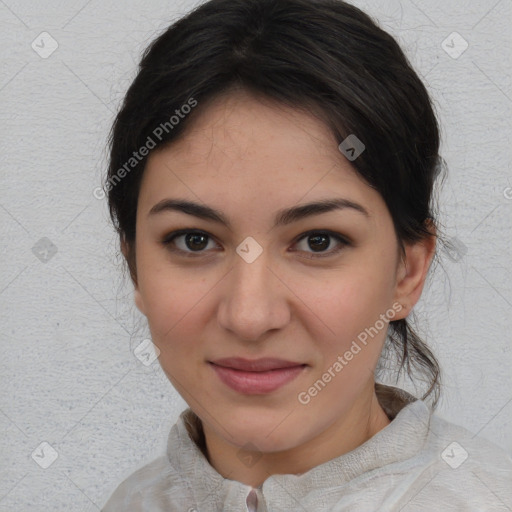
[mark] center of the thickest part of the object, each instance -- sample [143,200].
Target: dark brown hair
[326,57]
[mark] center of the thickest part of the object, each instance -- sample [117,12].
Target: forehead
[239,126]
[252,151]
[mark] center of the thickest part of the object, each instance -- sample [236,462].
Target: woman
[271,180]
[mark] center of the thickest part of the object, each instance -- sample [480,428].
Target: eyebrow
[282,218]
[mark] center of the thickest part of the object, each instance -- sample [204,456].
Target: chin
[264,437]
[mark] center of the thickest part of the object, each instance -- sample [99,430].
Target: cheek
[170,305]
[174,304]
[349,336]
[348,301]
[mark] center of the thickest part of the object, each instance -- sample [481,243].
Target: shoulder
[460,448]
[136,484]
[462,471]
[157,486]
[164,484]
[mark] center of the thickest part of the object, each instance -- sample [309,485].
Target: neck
[361,423]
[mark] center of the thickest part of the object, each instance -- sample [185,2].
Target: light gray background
[69,376]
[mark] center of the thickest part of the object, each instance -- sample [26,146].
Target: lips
[256,365]
[256,377]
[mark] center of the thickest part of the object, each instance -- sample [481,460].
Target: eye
[320,240]
[195,242]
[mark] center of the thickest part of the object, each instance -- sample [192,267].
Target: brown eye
[190,242]
[320,241]
[195,241]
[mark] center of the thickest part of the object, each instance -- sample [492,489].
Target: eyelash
[169,239]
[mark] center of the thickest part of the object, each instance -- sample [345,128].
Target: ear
[412,272]
[130,259]
[138,301]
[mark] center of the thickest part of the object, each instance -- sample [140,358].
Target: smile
[257,382]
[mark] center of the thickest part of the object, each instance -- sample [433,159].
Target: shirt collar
[399,440]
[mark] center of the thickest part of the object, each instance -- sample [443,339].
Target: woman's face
[257,287]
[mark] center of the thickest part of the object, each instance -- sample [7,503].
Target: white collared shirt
[418,463]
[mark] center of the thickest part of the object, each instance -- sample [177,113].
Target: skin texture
[250,158]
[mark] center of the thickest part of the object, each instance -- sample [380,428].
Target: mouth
[256,377]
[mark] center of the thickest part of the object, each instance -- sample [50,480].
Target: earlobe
[128,254]
[138,301]
[412,273]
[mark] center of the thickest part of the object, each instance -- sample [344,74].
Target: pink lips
[256,377]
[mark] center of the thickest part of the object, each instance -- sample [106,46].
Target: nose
[254,300]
